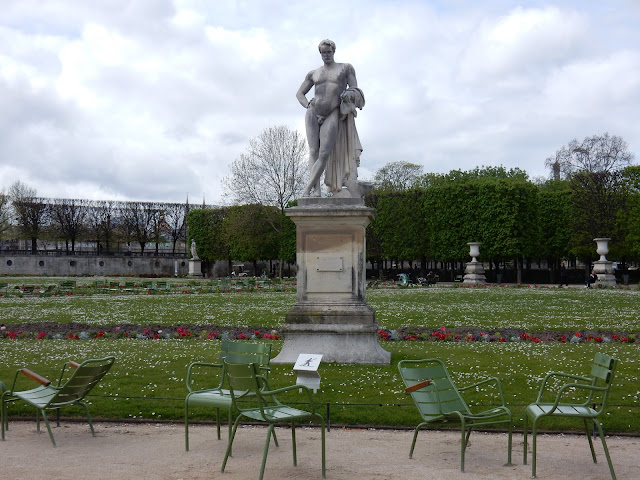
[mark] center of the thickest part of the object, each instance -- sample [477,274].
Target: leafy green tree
[206,227]
[554,222]
[629,216]
[400,225]
[248,232]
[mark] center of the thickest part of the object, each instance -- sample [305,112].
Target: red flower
[42,335]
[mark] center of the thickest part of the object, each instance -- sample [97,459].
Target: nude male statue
[334,145]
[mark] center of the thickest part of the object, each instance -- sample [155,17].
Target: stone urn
[603,248]
[603,267]
[474,250]
[474,272]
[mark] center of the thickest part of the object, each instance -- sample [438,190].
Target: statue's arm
[304,89]
[351,76]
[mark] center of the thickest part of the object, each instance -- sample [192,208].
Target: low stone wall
[92,265]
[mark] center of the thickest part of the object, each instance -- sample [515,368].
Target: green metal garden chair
[253,399]
[71,389]
[594,392]
[217,395]
[439,401]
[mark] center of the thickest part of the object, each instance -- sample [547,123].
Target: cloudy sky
[153,99]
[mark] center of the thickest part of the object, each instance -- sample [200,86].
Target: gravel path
[156,451]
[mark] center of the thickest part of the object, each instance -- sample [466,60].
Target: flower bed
[462,334]
[53,331]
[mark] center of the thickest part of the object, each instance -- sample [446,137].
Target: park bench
[459,278]
[67,286]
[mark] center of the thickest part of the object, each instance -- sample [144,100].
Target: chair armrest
[495,380]
[34,376]
[417,386]
[290,388]
[202,364]
[567,386]
[561,375]
[73,364]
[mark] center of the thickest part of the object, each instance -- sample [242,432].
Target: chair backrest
[245,387]
[83,379]
[432,402]
[603,371]
[245,352]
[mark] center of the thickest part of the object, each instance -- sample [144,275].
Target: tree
[140,220]
[272,172]
[630,215]
[69,216]
[248,233]
[175,217]
[597,198]
[205,226]
[103,217]
[598,153]
[398,176]
[31,212]
[5,213]
[554,221]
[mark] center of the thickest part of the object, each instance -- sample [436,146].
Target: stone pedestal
[474,274]
[606,275]
[330,316]
[195,267]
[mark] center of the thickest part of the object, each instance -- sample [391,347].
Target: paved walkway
[156,451]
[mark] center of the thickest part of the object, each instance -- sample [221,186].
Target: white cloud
[154,99]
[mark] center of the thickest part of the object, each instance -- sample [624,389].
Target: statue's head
[328,43]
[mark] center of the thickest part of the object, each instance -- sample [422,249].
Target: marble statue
[334,146]
[194,252]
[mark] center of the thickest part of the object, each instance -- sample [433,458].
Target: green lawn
[147,380]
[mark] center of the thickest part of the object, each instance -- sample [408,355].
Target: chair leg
[3,415]
[293,441]
[218,422]
[606,450]
[509,442]
[463,444]
[186,424]
[586,429]
[266,450]
[524,450]
[413,444]
[231,437]
[46,422]
[534,431]
[86,409]
[324,470]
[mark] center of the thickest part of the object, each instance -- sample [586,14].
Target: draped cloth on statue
[345,158]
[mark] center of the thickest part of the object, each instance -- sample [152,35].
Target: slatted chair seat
[47,396]
[217,396]
[595,389]
[439,400]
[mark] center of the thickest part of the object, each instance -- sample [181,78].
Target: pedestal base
[331,316]
[342,343]
[604,270]
[195,268]
[474,274]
